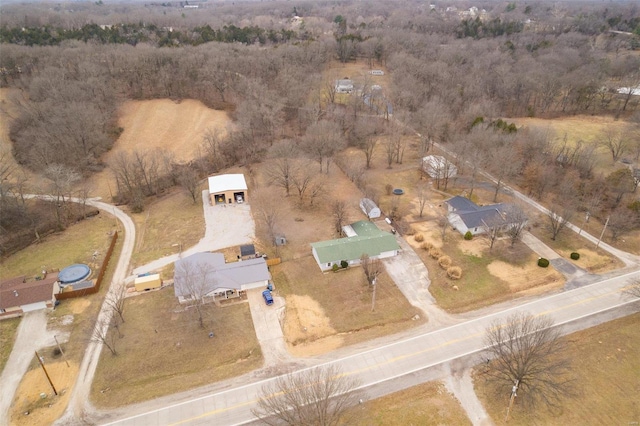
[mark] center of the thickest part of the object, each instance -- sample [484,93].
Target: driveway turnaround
[388,362]
[226,226]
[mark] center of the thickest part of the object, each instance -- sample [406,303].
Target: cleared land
[605,359]
[159,124]
[426,404]
[170,352]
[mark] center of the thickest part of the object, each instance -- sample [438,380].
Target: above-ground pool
[74,273]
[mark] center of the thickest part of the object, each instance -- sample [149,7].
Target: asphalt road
[392,361]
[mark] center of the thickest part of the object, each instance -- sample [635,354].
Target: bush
[454,272]
[419,238]
[435,252]
[427,246]
[335,267]
[468,235]
[543,263]
[344,264]
[409,231]
[444,262]
[575,255]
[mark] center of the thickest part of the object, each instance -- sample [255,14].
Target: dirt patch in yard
[305,320]
[78,306]
[43,411]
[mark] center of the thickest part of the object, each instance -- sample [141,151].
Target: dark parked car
[268,299]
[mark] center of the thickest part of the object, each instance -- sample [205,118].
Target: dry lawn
[75,245]
[42,411]
[605,359]
[426,404]
[171,353]
[357,71]
[328,310]
[168,220]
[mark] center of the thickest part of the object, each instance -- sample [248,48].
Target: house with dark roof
[207,276]
[363,237]
[19,295]
[465,215]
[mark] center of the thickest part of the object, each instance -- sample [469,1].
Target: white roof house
[344,86]
[228,188]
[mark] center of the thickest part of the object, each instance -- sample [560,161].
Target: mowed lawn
[163,349]
[607,370]
[345,297]
[8,330]
[426,404]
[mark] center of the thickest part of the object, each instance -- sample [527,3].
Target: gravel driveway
[226,226]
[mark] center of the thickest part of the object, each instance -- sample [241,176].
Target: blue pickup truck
[268,299]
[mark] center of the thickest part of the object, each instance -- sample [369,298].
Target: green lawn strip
[426,404]
[163,349]
[607,371]
[75,245]
[345,297]
[8,331]
[167,223]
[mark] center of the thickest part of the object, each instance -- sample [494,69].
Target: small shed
[147,282]
[438,167]
[370,208]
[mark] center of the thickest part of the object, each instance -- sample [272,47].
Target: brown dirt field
[159,124]
[306,319]
[43,411]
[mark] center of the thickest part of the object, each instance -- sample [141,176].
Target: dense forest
[450,64]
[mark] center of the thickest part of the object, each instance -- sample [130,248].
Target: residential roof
[247,250]
[364,228]
[221,183]
[352,248]
[217,274]
[15,292]
[462,203]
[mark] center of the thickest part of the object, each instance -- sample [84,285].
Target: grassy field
[163,350]
[75,245]
[426,404]
[167,222]
[8,328]
[341,301]
[605,359]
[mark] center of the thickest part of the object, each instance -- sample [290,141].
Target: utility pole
[45,373]
[514,389]
[61,351]
[602,233]
[373,296]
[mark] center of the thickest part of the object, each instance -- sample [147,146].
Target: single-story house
[208,276]
[344,86]
[465,215]
[438,167]
[228,189]
[17,295]
[364,237]
[370,208]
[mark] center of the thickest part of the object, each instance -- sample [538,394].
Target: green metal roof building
[367,239]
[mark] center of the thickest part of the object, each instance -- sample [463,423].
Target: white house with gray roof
[207,275]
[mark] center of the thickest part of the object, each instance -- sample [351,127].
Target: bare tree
[115,300]
[321,141]
[492,229]
[281,174]
[188,178]
[558,217]
[317,396]
[195,281]
[423,198]
[268,212]
[371,268]
[621,221]
[102,333]
[517,221]
[528,361]
[616,142]
[339,210]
